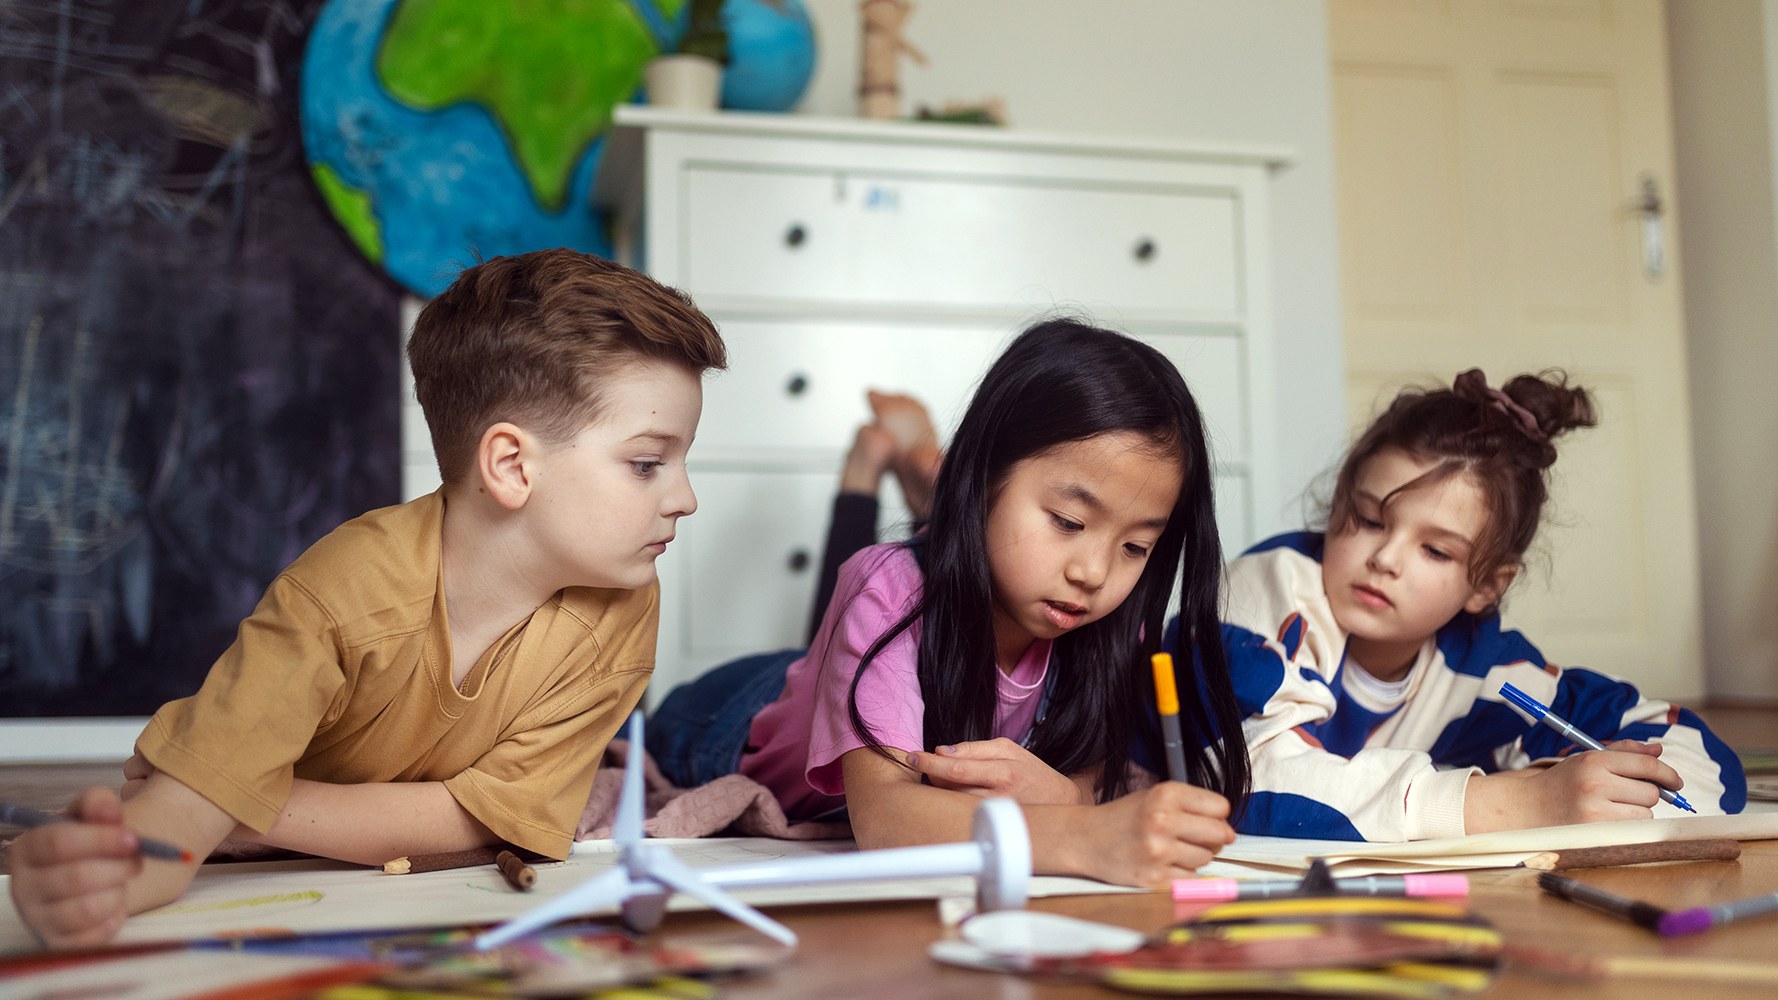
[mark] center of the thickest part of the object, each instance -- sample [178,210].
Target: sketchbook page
[1491,850]
[168,975]
[317,896]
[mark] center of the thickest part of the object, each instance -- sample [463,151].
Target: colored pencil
[27,817]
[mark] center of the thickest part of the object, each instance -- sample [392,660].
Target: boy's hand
[997,767]
[1618,782]
[69,878]
[1154,836]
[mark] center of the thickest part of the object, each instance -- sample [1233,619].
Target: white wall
[1724,60]
[1217,70]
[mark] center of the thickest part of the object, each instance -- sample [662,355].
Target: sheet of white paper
[305,897]
[1487,850]
[167,975]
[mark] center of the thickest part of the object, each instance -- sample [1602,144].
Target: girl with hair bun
[1369,657]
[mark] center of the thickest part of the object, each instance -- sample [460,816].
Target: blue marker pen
[1541,713]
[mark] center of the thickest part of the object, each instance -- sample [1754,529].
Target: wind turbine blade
[626,829]
[674,874]
[608,889]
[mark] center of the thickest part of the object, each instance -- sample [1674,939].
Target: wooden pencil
[515,869]
[413,864]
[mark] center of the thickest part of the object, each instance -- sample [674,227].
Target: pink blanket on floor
[733,803]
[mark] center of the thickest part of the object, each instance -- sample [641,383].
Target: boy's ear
[505,460]
[1488,595]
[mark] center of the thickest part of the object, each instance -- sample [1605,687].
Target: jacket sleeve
[1301,789]
[1285,652]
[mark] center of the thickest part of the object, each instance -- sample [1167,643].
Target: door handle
[1651,209]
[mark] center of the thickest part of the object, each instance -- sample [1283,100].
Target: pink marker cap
[1205,890]
[1218,890]
[1442,884]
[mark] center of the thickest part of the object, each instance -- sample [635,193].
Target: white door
[1490,158]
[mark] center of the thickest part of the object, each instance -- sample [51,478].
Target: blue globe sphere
[771,54]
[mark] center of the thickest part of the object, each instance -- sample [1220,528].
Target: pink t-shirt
[795,744]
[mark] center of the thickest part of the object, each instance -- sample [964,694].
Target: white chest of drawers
[838,255]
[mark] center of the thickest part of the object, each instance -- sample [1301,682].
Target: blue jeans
[700,729]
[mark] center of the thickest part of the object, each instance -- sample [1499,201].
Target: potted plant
[690,77]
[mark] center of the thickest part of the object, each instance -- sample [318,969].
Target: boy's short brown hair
[531,338]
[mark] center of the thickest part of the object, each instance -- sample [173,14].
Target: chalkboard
[198,373]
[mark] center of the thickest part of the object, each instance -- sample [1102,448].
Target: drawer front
[800,385]
[957,241]
[1214,371]
[751,560]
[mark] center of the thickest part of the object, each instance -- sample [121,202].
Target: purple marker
[1217,890]
[1702,918]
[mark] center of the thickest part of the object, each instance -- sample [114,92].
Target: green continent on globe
[352,207]
[549,71]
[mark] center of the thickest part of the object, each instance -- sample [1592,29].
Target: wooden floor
[1732,963]
[49,786]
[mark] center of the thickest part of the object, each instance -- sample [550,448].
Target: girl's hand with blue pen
[1000,767]
[1593,786]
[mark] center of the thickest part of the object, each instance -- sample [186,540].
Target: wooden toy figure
[879,93]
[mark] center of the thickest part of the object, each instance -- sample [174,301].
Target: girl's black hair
[1062,381]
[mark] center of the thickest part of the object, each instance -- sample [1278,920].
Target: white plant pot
[686,82]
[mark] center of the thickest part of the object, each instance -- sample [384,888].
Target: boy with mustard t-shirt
[443,674]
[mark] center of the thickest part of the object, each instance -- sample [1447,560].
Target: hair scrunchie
[1473,385]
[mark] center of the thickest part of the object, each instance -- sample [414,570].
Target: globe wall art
[442,131]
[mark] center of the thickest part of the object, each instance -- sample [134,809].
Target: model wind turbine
[998,856]
[645,874]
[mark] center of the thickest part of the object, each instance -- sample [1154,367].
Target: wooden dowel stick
[519,875]
[1636,854]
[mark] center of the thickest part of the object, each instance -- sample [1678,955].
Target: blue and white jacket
[1328,762]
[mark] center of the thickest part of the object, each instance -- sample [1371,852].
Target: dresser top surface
[768,125]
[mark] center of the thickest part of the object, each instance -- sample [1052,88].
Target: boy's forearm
[371,823]
[167,809]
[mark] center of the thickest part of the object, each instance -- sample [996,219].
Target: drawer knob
[1145,250]
[799,560]
[795,235]
[797,385]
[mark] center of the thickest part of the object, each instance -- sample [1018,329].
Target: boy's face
[610,496]
[1399,573]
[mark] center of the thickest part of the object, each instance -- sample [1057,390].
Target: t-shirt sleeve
[532,785]
[237,740]
[870,599]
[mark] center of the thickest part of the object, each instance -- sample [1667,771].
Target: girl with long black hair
[1004,651]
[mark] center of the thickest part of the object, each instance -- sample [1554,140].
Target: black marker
[1634,910]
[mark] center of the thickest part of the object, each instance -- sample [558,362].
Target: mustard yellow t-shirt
[343,674]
